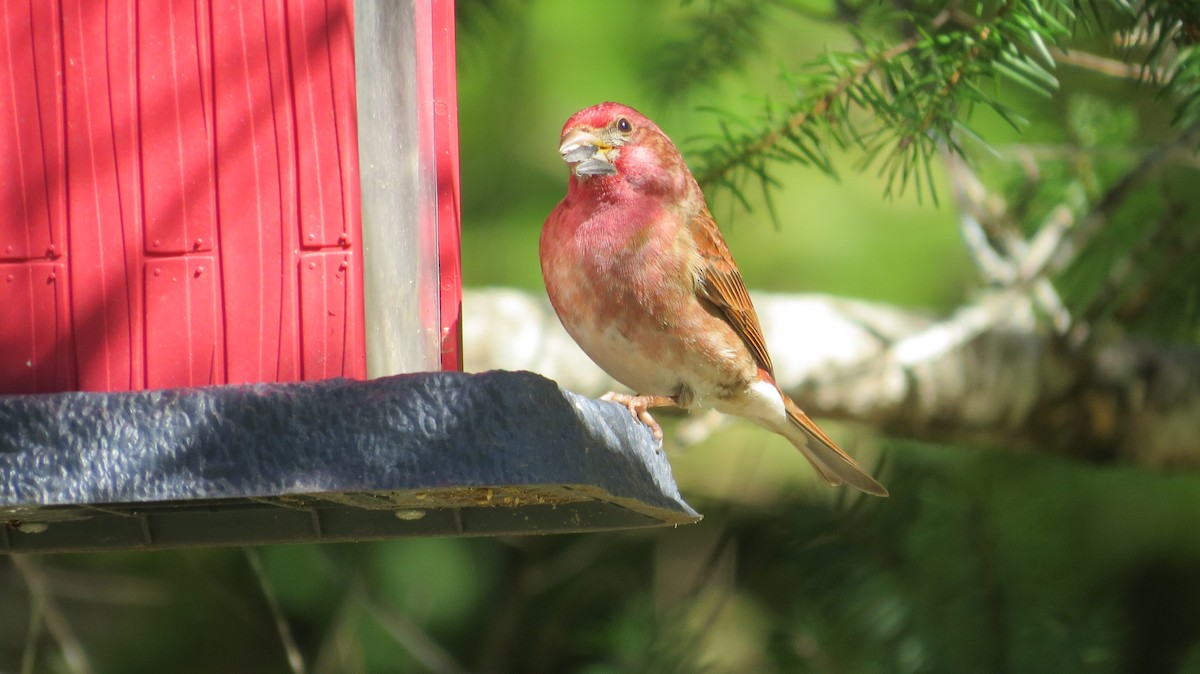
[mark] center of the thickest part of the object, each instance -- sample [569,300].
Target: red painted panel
[256,200]
[135,138]
[183,344]
[36,337]
[121,45]
[449,210]
[175,80]
[102,257]
[321,41]
[328,284]
[32,213]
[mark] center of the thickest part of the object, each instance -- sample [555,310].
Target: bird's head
[613,143]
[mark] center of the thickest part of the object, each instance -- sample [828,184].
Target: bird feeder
[230,292]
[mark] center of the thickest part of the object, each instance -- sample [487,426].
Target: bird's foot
[640,406]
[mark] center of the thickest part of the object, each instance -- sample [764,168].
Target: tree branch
[986,375]
[1110,67]
[770,138]
[45,608]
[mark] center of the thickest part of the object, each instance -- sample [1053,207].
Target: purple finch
[641,278]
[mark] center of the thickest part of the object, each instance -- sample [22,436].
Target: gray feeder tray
[431,454]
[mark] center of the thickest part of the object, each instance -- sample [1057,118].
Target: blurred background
[984,559]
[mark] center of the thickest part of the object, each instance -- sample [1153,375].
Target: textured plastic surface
[411,455]
[179,194]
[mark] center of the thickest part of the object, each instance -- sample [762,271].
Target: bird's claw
[639,407]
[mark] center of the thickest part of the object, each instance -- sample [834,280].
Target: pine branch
[1109,67]
[751,150]
[1169,33]
[899,102]
[912,95]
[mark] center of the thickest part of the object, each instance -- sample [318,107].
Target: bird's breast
[623,285]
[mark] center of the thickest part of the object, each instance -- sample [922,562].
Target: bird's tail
[831,463]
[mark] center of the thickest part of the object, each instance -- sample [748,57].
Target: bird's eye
[623,125]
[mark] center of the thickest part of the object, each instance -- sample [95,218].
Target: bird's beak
[587,154]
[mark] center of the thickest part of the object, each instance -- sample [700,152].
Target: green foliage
[909,88]
[717,40]
[1172,35]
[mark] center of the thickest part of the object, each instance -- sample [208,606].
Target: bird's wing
[721,283]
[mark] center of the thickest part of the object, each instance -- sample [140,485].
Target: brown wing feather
[721,283]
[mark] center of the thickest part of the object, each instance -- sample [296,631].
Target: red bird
[641,278]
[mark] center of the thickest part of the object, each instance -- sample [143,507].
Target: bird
[641,278]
